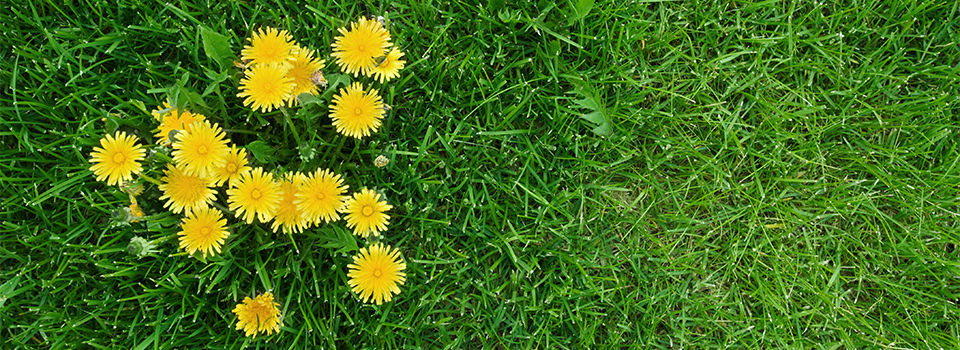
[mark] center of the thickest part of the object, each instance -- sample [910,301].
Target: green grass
[776,175]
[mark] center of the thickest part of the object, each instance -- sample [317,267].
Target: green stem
[163,157]
[240,131]
[294,243]
[340,144]
[222,208]
[286,117]
[149,179]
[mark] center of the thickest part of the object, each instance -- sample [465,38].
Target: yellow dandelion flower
[302,71]
[376,273]
[234,164]
[321,194]
[185,192]
[390,67]
[356,49]
[266,87]
[268,46]
[288,214]
[365,213]
[258,315]
[203,230]
[165,110]
[202,149]
[136,213]
[254,195]
[355,112]
[179,122]
[117,158]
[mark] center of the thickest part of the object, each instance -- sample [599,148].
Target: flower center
[377,273]
[205,231]
[357,111]
[231,168]
[270,87]
[202,150]
[320,196]
[119,158]
[256,194]
[367,210]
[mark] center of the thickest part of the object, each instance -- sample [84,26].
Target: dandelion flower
[302,70]
[321,194]
[234,164]
[288,214]
[176,121]
[268,46]
[202,149]
[356,49]
[165,110]
[117,158]
[355,112]
[185,192]
[254,195]
[390,67]
[258,315]
[365,213]
[376,273]
[203,230]
[134,210]
[266,87]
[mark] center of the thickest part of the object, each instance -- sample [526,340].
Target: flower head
[185,192]
[165,110]
[390,67]
[288,214]
[376,273]
[174,120]
[258,315]
[304,66]
[321,194]
[365,213]
[356,49]
[117,158]
[203,230]
[355,112]
[134,210]
[254,195]
[266,87]
[234,164]
[268,46]
[202,149]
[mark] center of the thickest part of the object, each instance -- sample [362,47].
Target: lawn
[628,174]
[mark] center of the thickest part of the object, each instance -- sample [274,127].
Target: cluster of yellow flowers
[204,159]
[276,71]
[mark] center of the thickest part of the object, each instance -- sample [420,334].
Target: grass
[776,174]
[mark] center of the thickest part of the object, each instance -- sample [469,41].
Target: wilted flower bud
[381,161]
[140,247]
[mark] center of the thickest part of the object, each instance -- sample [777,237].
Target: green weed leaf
[597,115]
[306,99]
[263,152]
[217,47]
[579,10]
[341,240]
